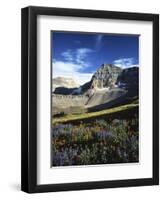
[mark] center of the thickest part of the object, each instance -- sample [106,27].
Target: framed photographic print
[90,99]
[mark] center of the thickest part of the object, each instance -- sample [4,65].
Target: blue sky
[78,55]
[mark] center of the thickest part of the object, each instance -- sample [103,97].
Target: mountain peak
[64,82]
[105,76]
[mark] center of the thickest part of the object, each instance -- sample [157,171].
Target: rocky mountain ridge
[109,86]
[107,76]
[64,82]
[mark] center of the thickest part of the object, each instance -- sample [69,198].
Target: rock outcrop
[106,76]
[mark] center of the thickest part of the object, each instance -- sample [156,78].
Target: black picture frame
[29,99]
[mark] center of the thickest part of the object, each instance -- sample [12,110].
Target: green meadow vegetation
[102,113]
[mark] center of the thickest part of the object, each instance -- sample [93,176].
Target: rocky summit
[106,76]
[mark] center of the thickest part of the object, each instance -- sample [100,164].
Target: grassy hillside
[92,115]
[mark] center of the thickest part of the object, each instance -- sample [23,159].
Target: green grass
[73,117]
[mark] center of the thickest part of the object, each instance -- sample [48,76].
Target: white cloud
[72,65]
[125,62]
[77,56]
[71,70]
[82,78]
[65,67]
[83,51]
[68,55]
[81,54]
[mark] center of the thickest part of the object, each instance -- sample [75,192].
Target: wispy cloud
[98,42]
[77,42]
[81,55]
[125,62]
[70,70]
[77,56]
[68,55]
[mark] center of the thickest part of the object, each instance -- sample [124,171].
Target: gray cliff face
[106,76]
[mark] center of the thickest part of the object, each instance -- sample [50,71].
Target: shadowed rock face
[129,78]
[64,90]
